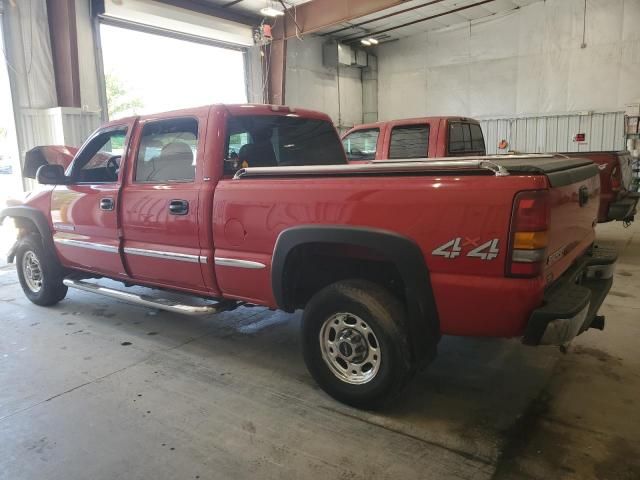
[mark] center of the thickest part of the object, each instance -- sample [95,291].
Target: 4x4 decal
[453,248]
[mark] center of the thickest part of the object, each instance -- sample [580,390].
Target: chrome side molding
[234,262]
[91,246]
[183,257]
[144,300]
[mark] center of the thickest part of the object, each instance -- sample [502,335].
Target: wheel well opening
[25,226]
[313,266]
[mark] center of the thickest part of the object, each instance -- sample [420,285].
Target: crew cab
[617,201]
[256,204]
[414,138]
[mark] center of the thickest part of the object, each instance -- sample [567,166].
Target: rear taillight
[616,182]
[529,226]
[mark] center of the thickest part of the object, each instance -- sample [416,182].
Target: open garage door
[10,181]
[154,60]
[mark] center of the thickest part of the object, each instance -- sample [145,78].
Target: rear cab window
[409,141]
[361,144]
[465,139]
[280,141]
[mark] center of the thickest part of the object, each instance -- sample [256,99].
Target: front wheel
[355,343]
[40,275]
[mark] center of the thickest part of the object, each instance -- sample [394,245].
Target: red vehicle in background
[430,137]
[425,137]
[617,201]
[383,258]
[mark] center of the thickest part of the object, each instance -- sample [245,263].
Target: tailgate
[575,201]
[574,186]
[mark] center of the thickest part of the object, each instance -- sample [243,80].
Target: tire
[376,379]
[39,272]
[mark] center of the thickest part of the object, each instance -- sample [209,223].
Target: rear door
[160,202]
[84,212]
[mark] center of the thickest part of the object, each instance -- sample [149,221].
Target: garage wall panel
[555,133]
[526,62]
[311,84]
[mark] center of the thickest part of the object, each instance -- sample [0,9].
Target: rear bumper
[623,209]
[571,304]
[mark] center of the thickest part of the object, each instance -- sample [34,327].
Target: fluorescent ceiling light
[365,42]
[373,41]
[271,12]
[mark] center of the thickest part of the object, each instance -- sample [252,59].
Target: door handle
[106,204]
[178,207]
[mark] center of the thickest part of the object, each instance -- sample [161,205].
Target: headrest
[177,149]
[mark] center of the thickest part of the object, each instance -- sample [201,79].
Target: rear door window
[465,139]
[279,141]
[361,144]
[410,141]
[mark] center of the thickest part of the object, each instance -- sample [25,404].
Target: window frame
[73,168]
[361,130]
[410,126]
[153,121]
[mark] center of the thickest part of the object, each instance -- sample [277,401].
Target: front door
[160,203]
[84,212]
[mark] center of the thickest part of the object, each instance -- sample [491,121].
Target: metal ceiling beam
[318,14]
[430,17]
[382,17]
[274,66]
[61,15]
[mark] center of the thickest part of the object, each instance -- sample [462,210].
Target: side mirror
[51,175]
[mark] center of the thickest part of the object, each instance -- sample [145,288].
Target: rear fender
[404,253]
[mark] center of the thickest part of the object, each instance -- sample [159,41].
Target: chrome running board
[144,300]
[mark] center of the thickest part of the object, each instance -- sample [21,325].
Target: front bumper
[623,209]
[571,304]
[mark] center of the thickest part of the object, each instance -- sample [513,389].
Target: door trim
[101,247]
[182,257]
[234,262]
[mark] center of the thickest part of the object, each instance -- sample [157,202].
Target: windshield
[361,144]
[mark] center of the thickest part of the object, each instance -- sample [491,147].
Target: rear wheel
[39,273]
[355,343]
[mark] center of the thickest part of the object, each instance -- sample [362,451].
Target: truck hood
[47,155]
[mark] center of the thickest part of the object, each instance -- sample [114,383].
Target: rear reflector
[529,240]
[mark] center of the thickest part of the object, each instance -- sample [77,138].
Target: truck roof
[234,109]
[410,121]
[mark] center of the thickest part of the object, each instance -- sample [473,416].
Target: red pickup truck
[414,138]
[256,204]
[617,201]
[459,136]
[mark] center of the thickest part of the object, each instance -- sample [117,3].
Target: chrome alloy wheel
[350,348]
[32,271]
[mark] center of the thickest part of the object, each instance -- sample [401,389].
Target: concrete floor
[96,389]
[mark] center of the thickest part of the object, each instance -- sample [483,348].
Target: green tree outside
[119,102]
